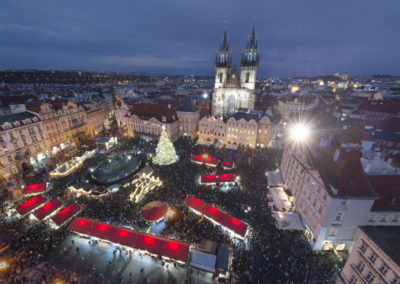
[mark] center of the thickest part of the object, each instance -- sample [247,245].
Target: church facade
[233,93]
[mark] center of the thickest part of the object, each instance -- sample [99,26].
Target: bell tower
[223,62]
[249,63]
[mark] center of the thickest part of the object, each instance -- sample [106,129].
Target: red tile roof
[388,189]
[148,110]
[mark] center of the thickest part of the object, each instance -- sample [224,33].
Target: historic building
[188,116]
[146,120]
[231,92]
[22,140]
[375,257]
[248,129]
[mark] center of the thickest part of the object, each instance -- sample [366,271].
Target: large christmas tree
[165,152]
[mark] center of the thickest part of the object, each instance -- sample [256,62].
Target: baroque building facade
[231,92]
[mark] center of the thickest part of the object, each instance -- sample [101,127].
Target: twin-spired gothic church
[231,92]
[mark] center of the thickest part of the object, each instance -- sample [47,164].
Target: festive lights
[165,152]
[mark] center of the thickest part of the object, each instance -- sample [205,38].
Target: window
[363,247]
[371,218]
[320,210]
[395,280]
[395,218]
[360,266]
[333,231]
[9,159]
[370,277]
[339,216]
[314,203]
[344,202]
[373,257]
[384,217]
[384,268]
[353,280]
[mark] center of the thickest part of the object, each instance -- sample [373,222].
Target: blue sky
[182,36]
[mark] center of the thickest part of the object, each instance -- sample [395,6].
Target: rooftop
[388,189]
[386,238]
[148,110]
[16,117]
[346,174]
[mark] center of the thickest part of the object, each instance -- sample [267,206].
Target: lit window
[333,231]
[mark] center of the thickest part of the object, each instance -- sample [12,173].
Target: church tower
[233,93]
[223,63]
[249,63]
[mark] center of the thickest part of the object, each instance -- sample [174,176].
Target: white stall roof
[288,221]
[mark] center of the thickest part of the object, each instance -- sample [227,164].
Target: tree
[165,151]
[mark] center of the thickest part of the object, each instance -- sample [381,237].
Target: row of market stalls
[167,248]
[280,204]
[43,209]
[211,162]
[237,228]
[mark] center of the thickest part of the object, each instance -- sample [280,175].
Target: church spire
[250,55]
[223,58]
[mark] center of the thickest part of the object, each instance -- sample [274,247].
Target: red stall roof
[31,204]
[217,215]
[204,159]
[103,231]
[34,189]
[157,245]
[227,164]
[81,225]
[66,213]
[154,210]
[47,209]
[217,178]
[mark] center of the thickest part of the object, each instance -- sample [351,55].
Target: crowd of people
[268,255]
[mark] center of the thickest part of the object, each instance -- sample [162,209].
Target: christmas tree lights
[165,152]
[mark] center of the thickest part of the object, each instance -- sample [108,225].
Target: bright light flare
[299,132]
[4,264]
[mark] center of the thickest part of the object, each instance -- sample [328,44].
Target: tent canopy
[154,210]
[204,261]
[280,199]
[34,189]
[288,221]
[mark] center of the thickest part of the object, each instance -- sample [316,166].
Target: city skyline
[300,39]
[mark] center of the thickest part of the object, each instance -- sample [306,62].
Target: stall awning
[280,199]
[66,213]
[217,178]
[217,215]
[47,209]
[204,160]
[288,221]
[31,204]
[204,261]
[222,264]
[274,178]
[34,189]
[156,245]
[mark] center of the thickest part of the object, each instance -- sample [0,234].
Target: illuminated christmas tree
[165,152]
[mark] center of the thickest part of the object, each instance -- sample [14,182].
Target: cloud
[183,36]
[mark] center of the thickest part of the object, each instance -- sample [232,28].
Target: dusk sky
[182,36]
